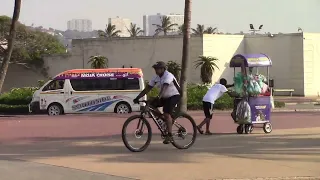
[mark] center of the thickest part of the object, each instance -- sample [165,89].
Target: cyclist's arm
[144,91]
[168,80]
[163,89]
[147,89]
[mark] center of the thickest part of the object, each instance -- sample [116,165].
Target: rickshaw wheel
[267,128]
[240,129]
[248,128]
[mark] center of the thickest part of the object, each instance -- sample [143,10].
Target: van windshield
[54,85]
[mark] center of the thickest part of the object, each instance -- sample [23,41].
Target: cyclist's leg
[169,105]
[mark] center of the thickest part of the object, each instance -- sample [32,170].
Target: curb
[279,178]
[280,110]
[301,103]
[295,110]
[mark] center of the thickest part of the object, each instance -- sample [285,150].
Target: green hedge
[18,96]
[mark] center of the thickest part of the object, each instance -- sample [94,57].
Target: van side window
[132,84]
[54,85]
[105,84]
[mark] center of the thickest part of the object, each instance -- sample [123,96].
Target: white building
[122,24]
[81,25]
[149,22]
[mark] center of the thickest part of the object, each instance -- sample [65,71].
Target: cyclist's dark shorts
[207,109]
[168,104]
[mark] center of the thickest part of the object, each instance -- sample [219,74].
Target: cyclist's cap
[159,64]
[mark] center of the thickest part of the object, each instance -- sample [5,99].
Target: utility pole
[185,54]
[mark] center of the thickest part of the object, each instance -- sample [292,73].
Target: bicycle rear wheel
[138,131]
[182,131]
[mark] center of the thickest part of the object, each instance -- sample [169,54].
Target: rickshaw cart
[260,105]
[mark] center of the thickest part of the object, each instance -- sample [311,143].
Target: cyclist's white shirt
[167,78]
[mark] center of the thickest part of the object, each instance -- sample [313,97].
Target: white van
[90,91]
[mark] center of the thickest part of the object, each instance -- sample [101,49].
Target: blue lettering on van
[91,103]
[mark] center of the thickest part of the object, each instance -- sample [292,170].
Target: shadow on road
[292,147]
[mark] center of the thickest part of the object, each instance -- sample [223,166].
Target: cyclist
[169,95]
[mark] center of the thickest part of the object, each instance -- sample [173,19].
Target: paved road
[92,143]
[23,170]
[43,126]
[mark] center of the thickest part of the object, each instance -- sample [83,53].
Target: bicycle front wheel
[137,128]
[184,128]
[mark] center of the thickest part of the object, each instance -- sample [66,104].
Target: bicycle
[156,116]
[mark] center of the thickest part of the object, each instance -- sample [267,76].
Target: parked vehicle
[90,91]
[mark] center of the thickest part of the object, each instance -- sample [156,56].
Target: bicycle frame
[150,111]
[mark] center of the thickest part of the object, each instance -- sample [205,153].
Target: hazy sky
[227,15]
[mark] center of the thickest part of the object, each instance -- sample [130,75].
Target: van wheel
[122,108]
[55,109]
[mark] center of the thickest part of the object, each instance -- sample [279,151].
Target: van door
[83,97]
[53,92]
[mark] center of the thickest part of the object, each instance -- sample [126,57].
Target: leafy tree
[31,44]
[98,62]
[180,29]
[207,66]
[199,30]
[165,26]
[175,69]
[134,30]
[210,30]
[11,38]
[110,31]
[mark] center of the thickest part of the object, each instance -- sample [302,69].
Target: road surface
[72,147]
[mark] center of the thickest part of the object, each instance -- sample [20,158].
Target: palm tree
[174,68]
[11,39]
[210,30]
[134,30]
[180,29]
[98,62]
[185,55]
[208,65]
[199,30]
[165,26]
[110,31]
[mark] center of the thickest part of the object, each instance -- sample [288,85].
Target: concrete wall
[223,47]
[139,52]
[286,53]
[311,47]
[21,76]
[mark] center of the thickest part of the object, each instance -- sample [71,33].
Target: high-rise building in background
[149,22]
[122,24]
[81,25]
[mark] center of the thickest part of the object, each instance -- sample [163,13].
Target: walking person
[214,93]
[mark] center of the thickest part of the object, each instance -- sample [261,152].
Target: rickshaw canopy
[250,60]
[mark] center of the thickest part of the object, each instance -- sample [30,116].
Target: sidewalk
[283,153]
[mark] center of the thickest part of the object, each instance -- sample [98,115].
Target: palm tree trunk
[12,36]
[185,54]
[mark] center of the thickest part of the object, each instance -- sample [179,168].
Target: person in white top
[169,95]
[214,93]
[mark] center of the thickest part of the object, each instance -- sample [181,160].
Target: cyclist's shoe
[168,139]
